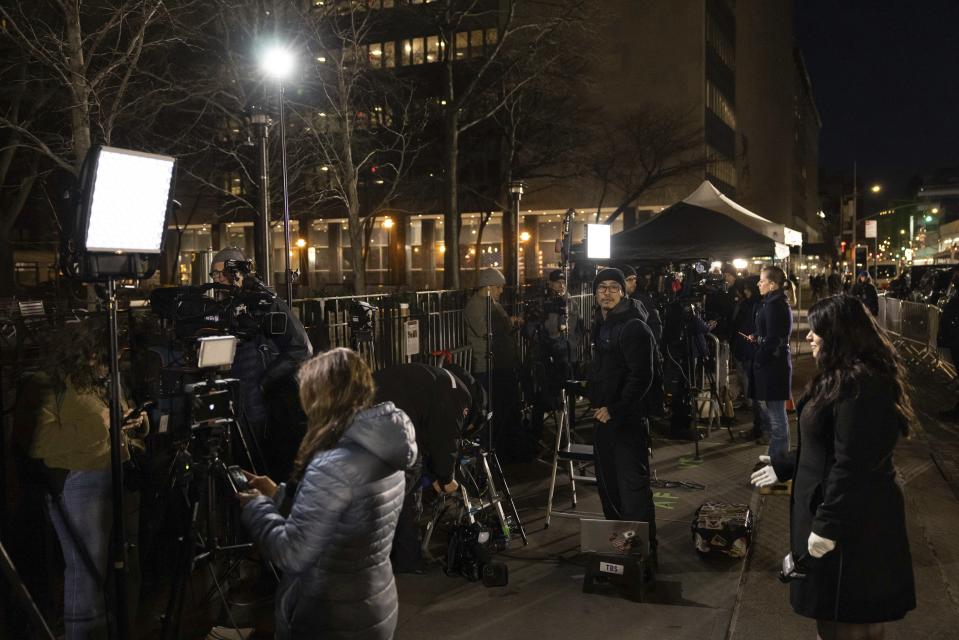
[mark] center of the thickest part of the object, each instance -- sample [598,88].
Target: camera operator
[502,383]
[552,325]
[438,404]
[266,360]
[721,305]
[645,301]
[622,372]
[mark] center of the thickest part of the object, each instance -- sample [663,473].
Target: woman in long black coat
[847,518]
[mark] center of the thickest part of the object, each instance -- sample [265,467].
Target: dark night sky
[885,75]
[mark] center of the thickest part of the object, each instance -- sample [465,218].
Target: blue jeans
[85,504]
[775,424]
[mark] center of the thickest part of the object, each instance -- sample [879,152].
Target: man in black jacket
[645,303]
[438,403]
[273,343]
[622,372]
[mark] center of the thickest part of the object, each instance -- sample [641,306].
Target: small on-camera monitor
[216,351]
[624,537]
[128,199]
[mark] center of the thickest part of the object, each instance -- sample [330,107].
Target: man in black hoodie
[622,372]
[438,403]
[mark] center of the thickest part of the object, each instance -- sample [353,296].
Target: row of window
[716,38]
[427,49]
[720,105]
[720,166]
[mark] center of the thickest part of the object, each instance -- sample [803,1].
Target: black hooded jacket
[436,402]
[623,363]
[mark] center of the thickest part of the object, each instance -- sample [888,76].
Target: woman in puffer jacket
[334,546]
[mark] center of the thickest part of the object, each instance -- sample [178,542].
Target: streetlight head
[875,188]
[516,187]
[524,236]
[935,210]
[388,223]
[278,62]
[301,243]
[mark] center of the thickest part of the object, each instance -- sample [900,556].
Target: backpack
[655,398]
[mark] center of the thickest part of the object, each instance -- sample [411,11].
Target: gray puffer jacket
[334,548]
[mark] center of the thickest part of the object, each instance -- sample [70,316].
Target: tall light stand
[511,259]
[119,538]
[286,198]
[260,121]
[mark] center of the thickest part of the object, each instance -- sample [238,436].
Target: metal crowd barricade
[913,328]
[442,325]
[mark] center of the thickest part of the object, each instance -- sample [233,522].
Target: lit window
[491,37]
[462,44]
[407,52]
[389,54]
[432,48]
[476,43]
[417,52]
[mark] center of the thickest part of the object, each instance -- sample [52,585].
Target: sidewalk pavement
[695,598]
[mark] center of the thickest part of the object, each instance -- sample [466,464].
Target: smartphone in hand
[237,479]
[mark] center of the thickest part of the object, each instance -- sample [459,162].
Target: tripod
[197,477]
[23,595]
[691,345]
[478,471]
[489,455]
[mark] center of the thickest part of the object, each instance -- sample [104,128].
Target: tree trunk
[357,241]
[451,218]
[79,86]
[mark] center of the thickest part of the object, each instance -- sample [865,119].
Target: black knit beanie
[609,274]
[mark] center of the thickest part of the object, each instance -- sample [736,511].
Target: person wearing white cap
[505,355]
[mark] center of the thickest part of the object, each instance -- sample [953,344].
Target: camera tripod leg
[182,570]
[507,495]
[23,595]
[494,498]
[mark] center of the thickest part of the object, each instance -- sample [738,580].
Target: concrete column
[335,235]
[396,252]
[428,237]
[219,238]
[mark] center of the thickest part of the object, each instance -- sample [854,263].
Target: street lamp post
[855,213]
[278,63]
[388,225]
[516,189]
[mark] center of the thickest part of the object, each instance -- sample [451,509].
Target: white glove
[765,476]
[819,546]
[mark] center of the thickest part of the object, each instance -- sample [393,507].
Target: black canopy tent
[704,225]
